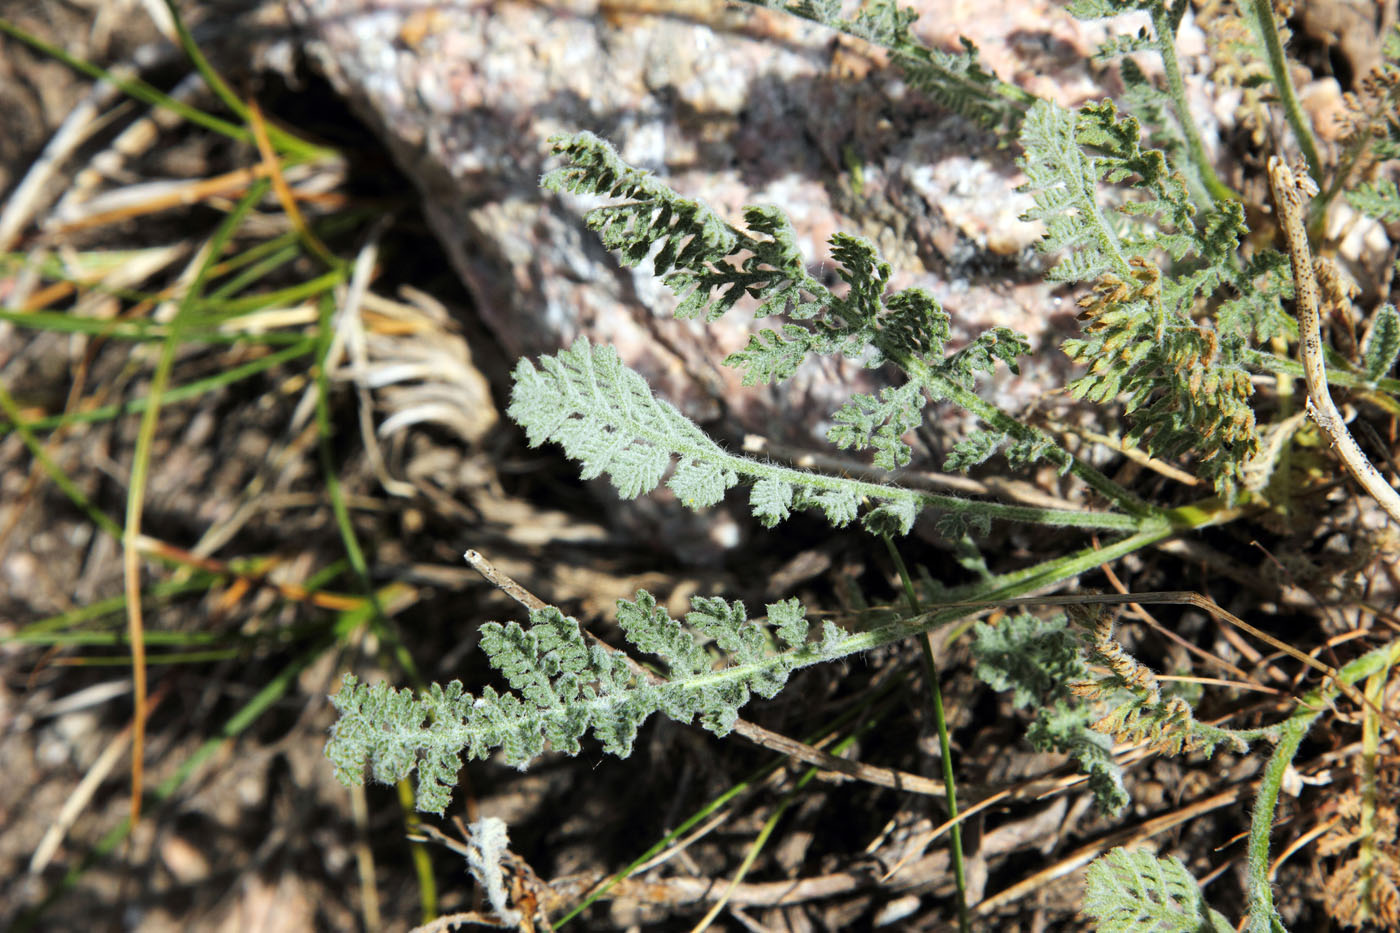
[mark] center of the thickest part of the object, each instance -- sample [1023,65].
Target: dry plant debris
[328,442]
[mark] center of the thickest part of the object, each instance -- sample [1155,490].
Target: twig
[1167,633]
[1290,196]
[1086,854]
[28,196]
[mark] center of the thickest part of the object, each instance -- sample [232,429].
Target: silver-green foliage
[1038,660]
[1382,344]
[1182,377]
[1379,199]
[955,80]
[1172,325]
[563,687]
[698,256]
[1133,891]
[605,416]
[711,265]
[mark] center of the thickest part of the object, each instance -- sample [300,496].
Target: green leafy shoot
[1165,109]
[1379,199]
[1137,708]
[955,80]
[1182,378]
[563,687]
[697,256]
[1037,660]
[1133,891]
[711,265]
[1373,133]
[605,416]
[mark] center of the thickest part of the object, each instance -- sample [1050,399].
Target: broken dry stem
[1290,196]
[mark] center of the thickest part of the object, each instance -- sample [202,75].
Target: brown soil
[257,834]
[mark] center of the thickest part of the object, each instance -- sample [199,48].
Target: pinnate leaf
[563,687]
[867,421]
[1136,892]
[1383,343]
[605,416]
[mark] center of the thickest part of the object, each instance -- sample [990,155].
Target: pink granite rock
[730,105]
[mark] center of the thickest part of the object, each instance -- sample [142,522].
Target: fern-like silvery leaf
[1065,727]
[648,628]
[1133,891]
[711,265]
[771,500]
[605,416]
[685,229]
[1256,311]
[1154,108]
[1033,658]
[972,450]
[982,353]
[1068,154]
[563,687]
[1116,46]
[1027,451]
[780,280]
[772,355]
[892,519]
[866,421]
[789,619]
[1379,199]
[1037,660]
[700,483]
[957,81]
[1383,343]
[728,625]
[1181,378]
[1063,180]
[559,677]
[839,505]
[395,732]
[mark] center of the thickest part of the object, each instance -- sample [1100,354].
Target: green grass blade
[353,552]
[99,610]
[140,468]
[181,393]
[53,470]
[285,141]
[132,87]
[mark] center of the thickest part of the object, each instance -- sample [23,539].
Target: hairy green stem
[1041,576]
[1165,24]
[1065,518]
[1261,13]
[1340,377]
[1262,916]
[941,386]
